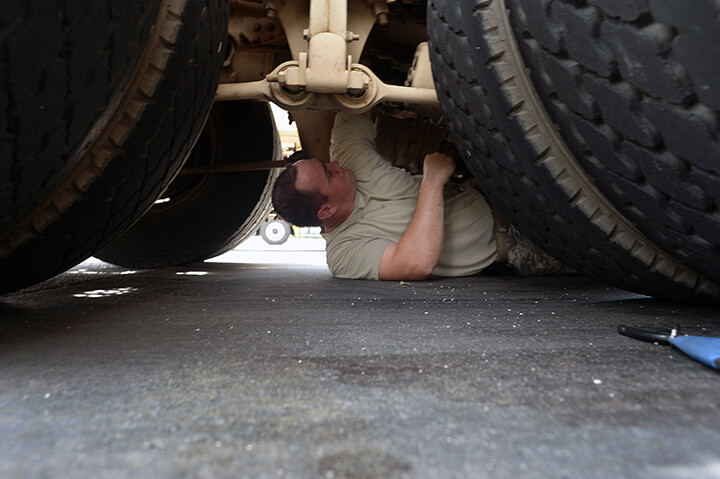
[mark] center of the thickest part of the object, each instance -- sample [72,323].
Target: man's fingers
[438,165]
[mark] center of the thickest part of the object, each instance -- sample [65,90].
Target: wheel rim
[275,231]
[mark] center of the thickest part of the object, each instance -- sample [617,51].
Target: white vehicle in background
[275,230]
[140,133]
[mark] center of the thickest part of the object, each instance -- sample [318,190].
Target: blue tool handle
[701,348]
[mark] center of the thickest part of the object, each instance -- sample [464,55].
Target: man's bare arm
[417,252]
[314,128]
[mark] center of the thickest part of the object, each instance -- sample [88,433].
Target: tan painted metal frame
[326,38]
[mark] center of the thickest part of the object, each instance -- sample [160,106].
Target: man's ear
[326,211]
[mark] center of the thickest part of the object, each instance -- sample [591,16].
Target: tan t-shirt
[384,204]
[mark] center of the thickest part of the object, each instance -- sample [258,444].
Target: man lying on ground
[381,222]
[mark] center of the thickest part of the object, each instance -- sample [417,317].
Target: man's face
[329,179]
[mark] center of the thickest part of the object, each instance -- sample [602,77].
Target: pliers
[701,348]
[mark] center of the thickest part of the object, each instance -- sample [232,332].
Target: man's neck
[329,227]
[339,217]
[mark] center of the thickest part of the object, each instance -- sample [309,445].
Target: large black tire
[201,216]
[635,89]
[528,170]
[101,105]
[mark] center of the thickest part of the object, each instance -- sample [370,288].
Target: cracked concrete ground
[230,370]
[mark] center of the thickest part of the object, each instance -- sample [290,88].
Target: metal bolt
[380,8]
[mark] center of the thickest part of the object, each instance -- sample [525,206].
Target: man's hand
[438,167]
[418,251]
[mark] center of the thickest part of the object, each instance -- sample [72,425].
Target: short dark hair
[298,207]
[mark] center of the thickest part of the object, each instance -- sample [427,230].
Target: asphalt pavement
[270,368]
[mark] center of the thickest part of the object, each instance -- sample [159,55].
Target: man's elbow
[414,272]
[415,267]
[416,277]
[420,272]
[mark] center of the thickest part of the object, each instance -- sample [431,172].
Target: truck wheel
[104,103]
[204,215]
[275,231]
[525,165]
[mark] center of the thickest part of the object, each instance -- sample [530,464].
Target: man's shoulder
[351,134]
[353,255]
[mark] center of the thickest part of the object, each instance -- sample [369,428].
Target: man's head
[313,193]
